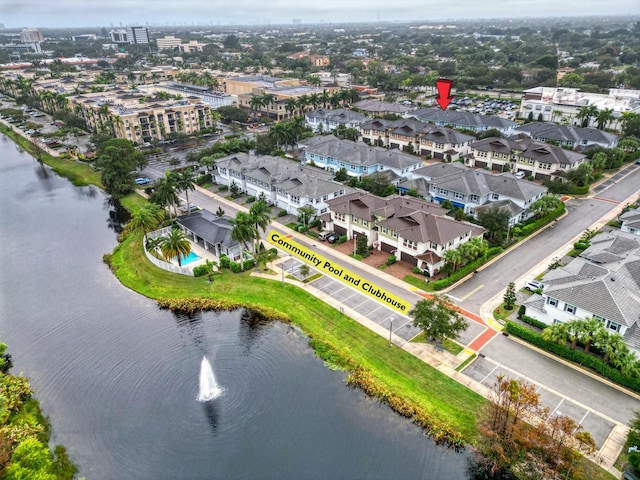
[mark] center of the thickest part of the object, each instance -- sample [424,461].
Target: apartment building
[327,120]
[568,136]
[138,118]
[464,120]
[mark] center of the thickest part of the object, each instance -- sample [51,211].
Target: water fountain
[209,388]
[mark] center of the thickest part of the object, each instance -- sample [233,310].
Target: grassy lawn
[443,398]
[418,283]
[449,345]
[501,313]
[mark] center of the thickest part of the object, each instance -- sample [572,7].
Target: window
[364,223]
[459,195]
[613,326]
[570,308]
[495,196]
[384,230]
[394,234]
[354,219]
[552,301]
[474,198]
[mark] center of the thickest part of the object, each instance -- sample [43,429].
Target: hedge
[529,228]
[575,356]
[533,322]
[575,190]
[466,270]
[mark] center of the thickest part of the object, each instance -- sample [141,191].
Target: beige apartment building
[138,118]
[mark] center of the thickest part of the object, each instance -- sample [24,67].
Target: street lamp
[390,330]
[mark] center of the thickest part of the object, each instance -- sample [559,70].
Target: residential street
[600,408]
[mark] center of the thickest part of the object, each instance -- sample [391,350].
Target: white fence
[169,267]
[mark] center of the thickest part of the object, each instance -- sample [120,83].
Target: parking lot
[351,298]
[485,371]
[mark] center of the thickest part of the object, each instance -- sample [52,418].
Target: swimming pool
[192,257]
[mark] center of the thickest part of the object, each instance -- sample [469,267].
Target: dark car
[333,238]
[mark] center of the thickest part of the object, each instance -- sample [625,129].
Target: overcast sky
[106,13]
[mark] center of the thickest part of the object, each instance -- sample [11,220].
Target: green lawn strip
[501,313]
[133,201]
[418,283]
[399,372]
[80,174]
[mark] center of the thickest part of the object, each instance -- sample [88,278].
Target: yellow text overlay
[338,271]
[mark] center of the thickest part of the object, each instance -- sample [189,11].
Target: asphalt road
[582,213]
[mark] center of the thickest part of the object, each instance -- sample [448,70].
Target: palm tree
[573,330]
[589,332]
[152,245]
[612,344]
[255,103]
[186,180]
[290,106]
[604,118]
[260,213]
[453,257]
[325,98]
[556,333]
[267,100]
[164,191]
[244,229]
[296,127]
[281,134]
[585,113]
[315,100]
[303,103]
[175,245]
[626,362]
[146,219]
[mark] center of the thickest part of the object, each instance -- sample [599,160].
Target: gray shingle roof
[340,115]
[361,154]
[611,291]
[567,133]
[462,119]
[215,230]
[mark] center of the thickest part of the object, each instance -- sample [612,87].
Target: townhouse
[538,160]
[464,120]
[630,222]
[358,158]
[602,283]
[280,182]
[472,190]
[415,231]
[326,120]
[568,136]
[413,136]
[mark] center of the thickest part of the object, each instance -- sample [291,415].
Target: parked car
[519,175]
[142,181]
[322,236]
[533,285]
[333,238]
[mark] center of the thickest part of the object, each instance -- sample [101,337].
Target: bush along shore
[25,432]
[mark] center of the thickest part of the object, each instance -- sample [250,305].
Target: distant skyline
[116,13]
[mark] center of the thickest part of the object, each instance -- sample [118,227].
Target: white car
[519,175]
[533,285]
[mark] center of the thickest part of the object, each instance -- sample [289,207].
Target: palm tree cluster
[288,133]
[304,103]
[466,253]
[166,189]
[246,226]
[602,117]
[591,332]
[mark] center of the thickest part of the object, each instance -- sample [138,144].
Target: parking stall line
[556,409]
[489,374]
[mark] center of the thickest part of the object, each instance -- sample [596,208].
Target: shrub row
[466,270]
[534,322]
[529,228]
[578,357]
[575,190]
[440,433]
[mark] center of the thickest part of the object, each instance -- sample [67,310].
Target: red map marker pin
[444,92]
